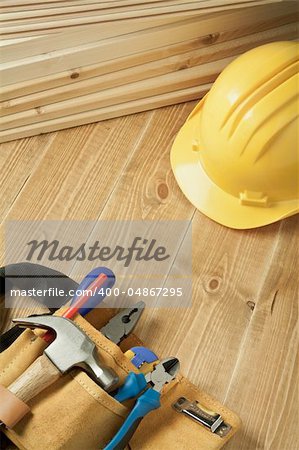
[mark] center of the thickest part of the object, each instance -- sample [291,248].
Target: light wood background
[239,339]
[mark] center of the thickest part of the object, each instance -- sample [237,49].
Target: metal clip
[209,419]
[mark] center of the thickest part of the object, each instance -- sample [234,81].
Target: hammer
[72,347]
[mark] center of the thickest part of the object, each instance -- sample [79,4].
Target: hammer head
[71,347]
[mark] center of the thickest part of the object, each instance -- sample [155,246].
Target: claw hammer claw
[71,347]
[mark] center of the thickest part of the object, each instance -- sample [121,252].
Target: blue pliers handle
[133,385]
[151,385]
[146,403]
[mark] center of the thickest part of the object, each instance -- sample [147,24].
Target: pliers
[150,385]
[121,325]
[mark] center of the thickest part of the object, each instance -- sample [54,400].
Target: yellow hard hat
[236,157]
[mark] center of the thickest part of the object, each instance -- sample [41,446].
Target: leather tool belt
[76,414]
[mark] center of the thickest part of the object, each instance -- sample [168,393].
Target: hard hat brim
[211,200]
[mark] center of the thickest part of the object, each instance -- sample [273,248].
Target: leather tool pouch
[76,414]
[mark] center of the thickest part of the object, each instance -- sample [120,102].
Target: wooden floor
[239,339]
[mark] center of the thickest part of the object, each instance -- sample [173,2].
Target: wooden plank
[95,32]
[106,113]
[82,73]
[7,5]
[46,17]
[13,8]
[4,43]
[91,33]
[61,13]
[39,28]
[87,72]
[94,52]
[224,293]
[69,11]
[66,165]
[18,161]
[76,157]
[131,91]
[43,11]
[169,82]
[267,363]
[60,3]
[148,70]
[22,29]
[39,3]
[60,60]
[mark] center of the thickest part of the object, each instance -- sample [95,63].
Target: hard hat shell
[236,157]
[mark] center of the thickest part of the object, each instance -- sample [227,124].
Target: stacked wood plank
[69,63]
[31,17]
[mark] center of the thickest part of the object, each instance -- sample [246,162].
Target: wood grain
[131,107]
[210,44]
[93,52]
[184,10]
[91,9]
[178,62]
[41,374]
[238,341]
[144,88]
[11,51]
[20,159]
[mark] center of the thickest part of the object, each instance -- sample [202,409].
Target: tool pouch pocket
[76,414]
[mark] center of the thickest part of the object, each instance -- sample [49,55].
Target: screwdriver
[95,284]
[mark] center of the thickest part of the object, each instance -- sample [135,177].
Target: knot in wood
[251,305]
[74,75]
[212,284]
[211,38]
[162,191]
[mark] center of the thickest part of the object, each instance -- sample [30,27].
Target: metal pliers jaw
[163,373]
[121,325]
